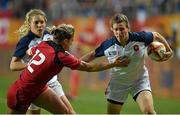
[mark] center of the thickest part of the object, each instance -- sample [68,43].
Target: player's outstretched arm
[89,67]
[88,57]
[169,52]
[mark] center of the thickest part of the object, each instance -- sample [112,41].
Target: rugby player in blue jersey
[133,79]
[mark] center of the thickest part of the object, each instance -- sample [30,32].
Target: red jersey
[48,60]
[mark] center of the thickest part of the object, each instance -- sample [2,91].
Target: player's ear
[111,29]
[66,41]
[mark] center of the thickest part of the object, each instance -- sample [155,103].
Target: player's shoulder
[139,34]
[28,37]
[25,40]
[110,41]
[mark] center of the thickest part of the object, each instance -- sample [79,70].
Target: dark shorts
[115,102]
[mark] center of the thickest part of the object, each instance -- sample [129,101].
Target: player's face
[120,31]
[68,43]
[38,25]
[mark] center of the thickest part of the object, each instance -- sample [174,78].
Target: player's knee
[71,112]
[149,110]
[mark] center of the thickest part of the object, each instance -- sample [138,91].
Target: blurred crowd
[58,9]
[67,8]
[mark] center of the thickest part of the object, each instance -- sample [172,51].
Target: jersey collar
[56,46]
[118,43]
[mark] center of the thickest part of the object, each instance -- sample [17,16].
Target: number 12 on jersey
[36,62]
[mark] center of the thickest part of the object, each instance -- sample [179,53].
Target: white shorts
[119,93]
[56,86]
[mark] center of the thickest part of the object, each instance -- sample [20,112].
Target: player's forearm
[88,57]
[119,62]
[101,67]
[160,38]
[94,67]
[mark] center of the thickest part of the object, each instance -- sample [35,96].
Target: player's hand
[166,55]
[29,52]
[122,61]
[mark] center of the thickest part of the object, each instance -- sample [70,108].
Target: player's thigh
[57,87]
[141,92]
[141,85]
[51,102]
[145,101]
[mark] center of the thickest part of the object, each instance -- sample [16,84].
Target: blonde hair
[61,32]
[25,28]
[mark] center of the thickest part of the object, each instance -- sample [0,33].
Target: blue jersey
[25,43]
[134,50]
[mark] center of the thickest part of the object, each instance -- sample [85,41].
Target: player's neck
[123,42]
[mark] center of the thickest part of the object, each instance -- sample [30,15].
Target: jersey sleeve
[99,51]
[146,37]
[69,60]
[21,47]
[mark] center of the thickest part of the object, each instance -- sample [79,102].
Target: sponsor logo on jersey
[136,48]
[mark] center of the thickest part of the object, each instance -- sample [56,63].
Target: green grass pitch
[94,102]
